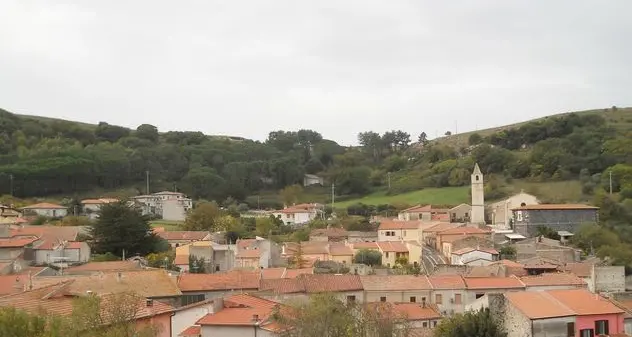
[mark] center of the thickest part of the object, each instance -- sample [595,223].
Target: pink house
[571,313]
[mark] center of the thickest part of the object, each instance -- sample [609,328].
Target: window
[434,324]
[476,178]
[439,299]
[351,299]
[479,296]
[383,299]
[413,299]
[386,254]
[424,324]
[404,233]
[423,300]
[570,329]
[587,333]
[457,298]
[601,327]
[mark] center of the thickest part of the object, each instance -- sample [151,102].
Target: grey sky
[338,67]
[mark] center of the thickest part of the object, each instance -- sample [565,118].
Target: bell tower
[478,196]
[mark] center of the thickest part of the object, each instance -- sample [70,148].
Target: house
[12,248]
[46,209]
[257,253]
[559,217]
[9,215]
[399,230]
[470,242]
[299,214]
[478,287]
[329,234]
[449,293]
[424,213]
[540,246]
[358,236]
[396,288]
[46,244]
[92,206]
[179,238]
[217,257]
[539,265]
[460,213]
[393,250]
[474,256]
[417,315]
[102,267]
[58,299]
[599,278]
[429,231]
[61,253]
[552,281]
[501,211]
[575,312]
[242,315]
[346,287]
[184,318]
[172,206]
[445,238]
[311,179]
[200,287]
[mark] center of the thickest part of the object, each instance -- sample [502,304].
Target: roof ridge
[549,296]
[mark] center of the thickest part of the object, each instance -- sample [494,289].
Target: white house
[501,211]
[298,214]
[186,317]
[46,209]
[474,256]
[61,253]
[92,206]
[172,206]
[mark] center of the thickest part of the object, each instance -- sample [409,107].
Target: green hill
[560,158]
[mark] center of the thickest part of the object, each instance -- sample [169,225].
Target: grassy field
[167,225]
[549,192]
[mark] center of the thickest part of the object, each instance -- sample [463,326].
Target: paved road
[431,258]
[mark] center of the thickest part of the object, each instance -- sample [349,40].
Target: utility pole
[333,196]
[11,183]
[610,182]
[147,181]
[389,180]
[456,127]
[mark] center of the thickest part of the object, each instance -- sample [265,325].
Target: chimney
[149,302]
[255,319]
[423,302]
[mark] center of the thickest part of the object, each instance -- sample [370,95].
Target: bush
[368,257]
[72,220]
[40,220]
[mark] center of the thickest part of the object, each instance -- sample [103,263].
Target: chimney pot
[150,302]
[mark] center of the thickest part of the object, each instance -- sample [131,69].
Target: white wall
[51,213]
[233,331]
[183,319]
[173,210]
[471,256]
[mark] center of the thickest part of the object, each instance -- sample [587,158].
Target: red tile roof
[464,231]
[293,273]
[44,205]
[507,263]
[365,245]
[392,246]
[581,269]
[316,283]
[12,284]
[192,331]
[417,209]
[395,282]
[329,232]
[446,282]
[442,226]
[245,243]
[340,249]
[560,303]
[408,311]
[249,254]
[183,235]
[398,224]
[104,266]
[240,310]
[554,207]
[583,302]
[231,280]
[16,242]
[65,233]
[553,279]
[538,304]
[493,283]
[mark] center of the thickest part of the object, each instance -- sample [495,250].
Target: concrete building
[298,215]
[559,217]
[501,211]
[46,209]
[478,196]
[474,256]
[172,206]
[92,206]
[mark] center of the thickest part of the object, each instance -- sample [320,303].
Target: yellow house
[397,230]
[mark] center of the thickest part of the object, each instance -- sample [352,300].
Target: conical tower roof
[477,170]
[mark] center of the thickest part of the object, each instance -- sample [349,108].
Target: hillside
[52,158]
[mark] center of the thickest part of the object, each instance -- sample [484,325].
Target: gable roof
[16,242]
[392,246]
[510,282]
[581,269]
[329,232]
[395,282]
[231,280]
[406,310]
[417,209]
[398,224]
[65,233]
[315,283]
[546,207]
[183,235]
[442,226]
[45,205]
[470,249]
[538,304]
[340,249]
[105,266]
[463,231]
[239,310]
[583,302]
[560,303]
[446,282]
[553,279]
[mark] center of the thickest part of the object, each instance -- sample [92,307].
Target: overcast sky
[247,67]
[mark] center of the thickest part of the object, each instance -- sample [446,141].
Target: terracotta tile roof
[493,283]
[507,263]
[192,331]
[50,244]
[340,249]
[463,231]
[183,235]
[272,273]
[581,269]
[398,224]
[553,279]
[16,242]
[74,245]
[315,283]
[231,280]
[446,282]
[239,310]
[245,243]
[554,207]
[146,283]
[59,298]
[329,232]
[104,266]
[12,284]
[442,226]
[293,210]
[392,246]
[249,254]
[540,263]
[308,247]
[395,282]
[538,304]
[583,302]
[293,273]
[365,245]
[44,205]
[408,311]
[469,250]
[65,233]
[282,286]
[417,209]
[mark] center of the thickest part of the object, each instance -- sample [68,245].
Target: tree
[369,257]
[197,265]
[423,138]
[264,226]
[508,253]
[548,233]
[121,229]
[290,194]
[475,139]
[326,315]
[148,132]
[448,133]
[470,324]
[297,260]
[203,217]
